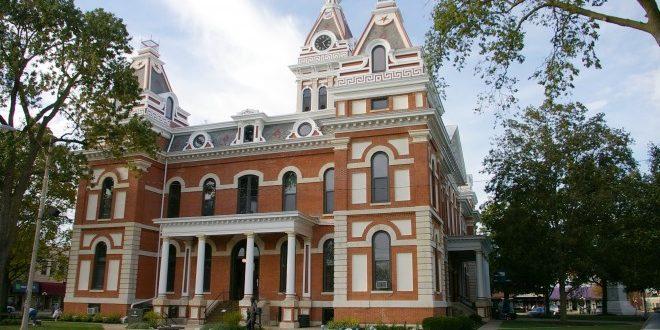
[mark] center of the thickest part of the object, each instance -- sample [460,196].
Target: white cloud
[236,56]
[597,105]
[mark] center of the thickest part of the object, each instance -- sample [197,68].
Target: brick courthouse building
[357,204]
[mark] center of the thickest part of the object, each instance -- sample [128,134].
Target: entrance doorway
[237,276]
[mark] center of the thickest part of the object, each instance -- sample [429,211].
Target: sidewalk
[491,325]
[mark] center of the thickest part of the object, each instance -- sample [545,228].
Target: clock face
[323,42]
[199,141]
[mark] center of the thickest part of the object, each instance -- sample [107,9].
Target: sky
[224,56]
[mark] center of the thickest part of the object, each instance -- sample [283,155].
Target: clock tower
[329,41]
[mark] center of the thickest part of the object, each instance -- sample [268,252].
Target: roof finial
[385,3]
[332,3]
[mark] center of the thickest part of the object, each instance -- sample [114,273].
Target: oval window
[304,129]
[199,141]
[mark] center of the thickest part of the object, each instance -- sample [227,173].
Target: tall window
[248,133]
[98,274]
[436,268]
[382,274]
[378,59]
[171,268]
[207,267]
[105,209]
[434,186]
[380,180]
[248,192]
[283,257]
[169,108]
[174,200]
[208,198]
[307,100]
[329,266]
[323,98]
[329,191]
[289,191]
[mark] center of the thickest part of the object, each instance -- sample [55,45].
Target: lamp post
[37,234]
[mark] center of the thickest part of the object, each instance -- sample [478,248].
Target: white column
[487,278]
[307,281]
[248,289]
[480,274]
[199,274]
[164,257]
[291,265]
[315,95]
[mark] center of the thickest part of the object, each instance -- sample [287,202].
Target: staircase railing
[217,300]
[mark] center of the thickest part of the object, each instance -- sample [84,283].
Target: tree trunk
[546,301]
[4,280]
[603,284]
[562,300]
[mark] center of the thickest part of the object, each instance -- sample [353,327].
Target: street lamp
[37,231]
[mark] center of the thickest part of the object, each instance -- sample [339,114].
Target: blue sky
[223,56]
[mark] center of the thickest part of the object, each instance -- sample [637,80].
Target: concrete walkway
[491,325]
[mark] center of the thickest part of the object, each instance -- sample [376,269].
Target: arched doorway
[237,276]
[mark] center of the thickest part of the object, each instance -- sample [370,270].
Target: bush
[476,318]
[10,322]
[139,325]
[153,319]
[448,323]
[97,318]
[66,317]
[112,319]
[222,326]
[81,318]
[232,318]
[351,323]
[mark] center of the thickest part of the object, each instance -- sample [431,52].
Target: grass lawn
[58,325]
[524,324]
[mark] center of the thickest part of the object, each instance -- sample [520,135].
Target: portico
[469,274]
[243,231]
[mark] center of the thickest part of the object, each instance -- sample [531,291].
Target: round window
[199,141]
[304,129]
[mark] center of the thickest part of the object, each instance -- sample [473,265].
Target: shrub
[351,323]
[97,318]
[476,318]
[153,319]
[448,323]
[232,318]
[139,325]
[66,317]
[112,319]
[10,322]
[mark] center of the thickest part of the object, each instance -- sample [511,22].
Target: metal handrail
[221,297]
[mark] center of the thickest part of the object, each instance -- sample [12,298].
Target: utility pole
[37,234]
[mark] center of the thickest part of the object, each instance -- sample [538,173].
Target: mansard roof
[386,23]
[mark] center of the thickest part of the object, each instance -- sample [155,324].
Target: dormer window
[378,59]
[307,100]
[169,108]
[248,134]
[323,98]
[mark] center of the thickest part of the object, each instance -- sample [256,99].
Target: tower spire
[332,4]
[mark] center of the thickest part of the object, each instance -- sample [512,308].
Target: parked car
[653,322]
[537,312]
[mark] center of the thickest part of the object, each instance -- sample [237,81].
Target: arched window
[307,100]
[329,191]
[378,59]
[248,194]
[105,209]
[207,267]
[169,108]
[289,191]
[171,269]
[329,266]
[208,198]
[98,274]
[434,186]
[248,133]
[323,98]
[283,257]
[380,180]
[174,200]
[382,274]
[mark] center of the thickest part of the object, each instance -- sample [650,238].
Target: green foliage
[557,216]
[496,33]
[222,326]
[476,319]
[139,325]
[350,323]
[60,65]
[153,319]
[448,323]
[232,318]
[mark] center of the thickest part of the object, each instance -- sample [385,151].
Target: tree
[65,79]
[498,30]
[557,179]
